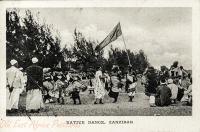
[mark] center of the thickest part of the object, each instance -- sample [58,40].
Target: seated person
[183,85]
[174,90]
[188,95]
[163,94]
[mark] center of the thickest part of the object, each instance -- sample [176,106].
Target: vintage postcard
[103,65]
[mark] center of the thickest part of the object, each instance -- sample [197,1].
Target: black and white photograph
[99,61]
[99,65]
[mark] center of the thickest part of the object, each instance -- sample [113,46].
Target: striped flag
[116,32]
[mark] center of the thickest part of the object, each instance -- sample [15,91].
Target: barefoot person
[99,87]
[34,101]
[15,85]
[75,93]
[115,85]
[132,81]
[60,86]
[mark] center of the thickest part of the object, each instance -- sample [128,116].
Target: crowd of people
[45,85]
[168,86]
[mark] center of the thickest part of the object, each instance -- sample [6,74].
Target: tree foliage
[27,38]
[83,53]
[138,61]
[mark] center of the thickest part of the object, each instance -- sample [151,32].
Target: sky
[164,34]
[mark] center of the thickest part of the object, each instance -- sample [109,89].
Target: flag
[116,32]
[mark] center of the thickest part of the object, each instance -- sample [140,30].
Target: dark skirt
[113,94]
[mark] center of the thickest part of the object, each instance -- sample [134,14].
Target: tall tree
[84,52]
[138,61]
[27,38]
[14,37]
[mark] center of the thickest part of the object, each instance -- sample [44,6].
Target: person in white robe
[15,81]
[99,91]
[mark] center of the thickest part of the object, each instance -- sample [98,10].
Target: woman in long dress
[99,91]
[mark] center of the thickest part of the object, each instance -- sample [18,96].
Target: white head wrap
[13,61]
[170,81]
[20,68]
[34,60]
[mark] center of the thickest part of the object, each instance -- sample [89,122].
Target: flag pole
[126,50]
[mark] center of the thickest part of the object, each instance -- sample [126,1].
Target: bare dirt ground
[139,107]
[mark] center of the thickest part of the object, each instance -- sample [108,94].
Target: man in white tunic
[15,85]
[99,89]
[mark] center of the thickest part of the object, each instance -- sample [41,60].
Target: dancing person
[15,85]
[99,87]
[75,95]
[48,86]
[75,91]
[91,84]
[129,70]
[61,88]
[107,80]
[132,83]
[115,85]
[34,101]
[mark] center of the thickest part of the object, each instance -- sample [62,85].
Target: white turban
[13,61]
[170,81]
[34,60]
